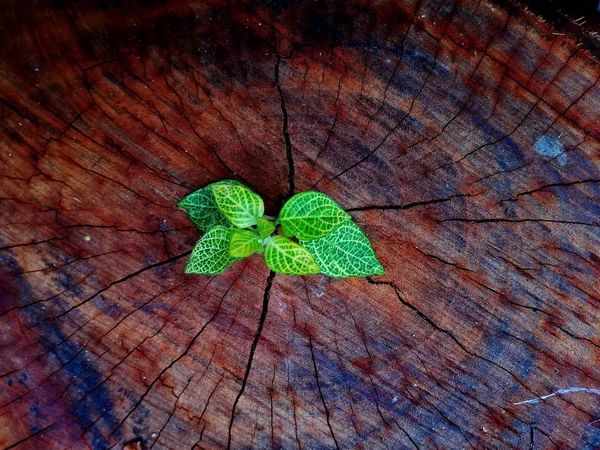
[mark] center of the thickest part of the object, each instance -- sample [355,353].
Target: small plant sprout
[317,235]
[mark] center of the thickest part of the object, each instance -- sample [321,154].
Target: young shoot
[312,234]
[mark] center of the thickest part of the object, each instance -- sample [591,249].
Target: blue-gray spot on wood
[550,146]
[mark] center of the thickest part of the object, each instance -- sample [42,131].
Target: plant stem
[268,217]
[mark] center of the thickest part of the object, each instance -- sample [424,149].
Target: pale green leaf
[244,243]
[311,215]
[202,208]
[239,204]
[211,254]
[346,252]
[265,227]
[285,256]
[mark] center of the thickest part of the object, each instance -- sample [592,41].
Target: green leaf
[244,243]
[239,204]
[346,252]
[211,254]
[265,227]
[287,257]
[311,215]
[202,208]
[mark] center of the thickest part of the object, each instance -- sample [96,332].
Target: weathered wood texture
[423,118]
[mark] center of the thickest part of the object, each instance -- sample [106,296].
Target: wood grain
[462,137]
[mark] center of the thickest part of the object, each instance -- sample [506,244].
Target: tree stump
[462,137]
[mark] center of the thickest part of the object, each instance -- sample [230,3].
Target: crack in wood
[121,280]
[327,414]
[408,205]
[176,360]
[286,133]
[448,333]
[503,220]
[35,433]
[261,322]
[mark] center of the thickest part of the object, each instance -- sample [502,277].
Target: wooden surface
[462,137]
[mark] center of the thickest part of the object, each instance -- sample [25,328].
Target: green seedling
[317,235]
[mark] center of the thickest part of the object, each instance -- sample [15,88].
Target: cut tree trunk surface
[462,137]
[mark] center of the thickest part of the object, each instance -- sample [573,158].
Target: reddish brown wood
[422,118]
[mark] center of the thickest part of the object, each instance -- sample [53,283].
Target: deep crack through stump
[261,323]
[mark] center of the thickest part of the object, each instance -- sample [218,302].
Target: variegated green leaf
[311,215]
[211,254]
[238,204]
[202,208]
[285,256]
[244,243]
[265,227]
[346,252]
